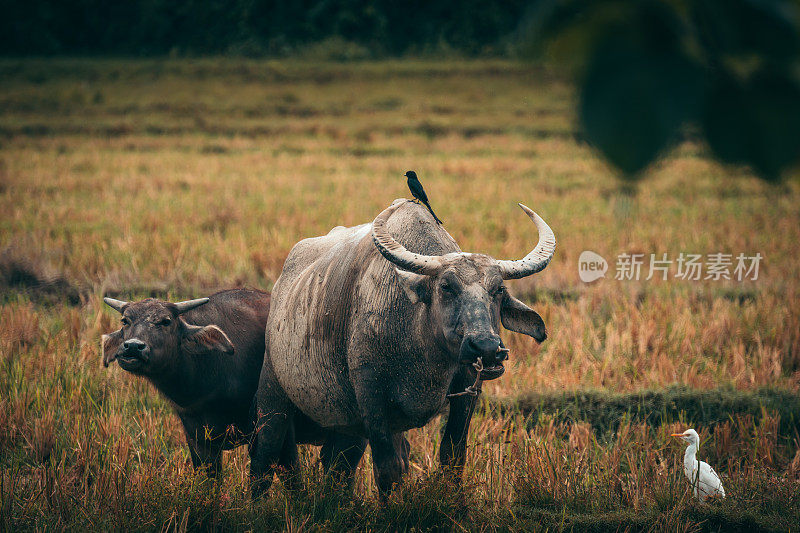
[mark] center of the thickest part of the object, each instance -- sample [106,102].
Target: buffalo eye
[164,322]
[500,289]
[448,287]
[125,321]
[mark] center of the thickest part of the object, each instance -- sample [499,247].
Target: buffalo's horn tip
[117,305]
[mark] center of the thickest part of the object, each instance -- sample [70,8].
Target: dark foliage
[605,411]
[155,27]
[649,70]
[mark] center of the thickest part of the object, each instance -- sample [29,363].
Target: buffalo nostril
[134,344]
[502,352]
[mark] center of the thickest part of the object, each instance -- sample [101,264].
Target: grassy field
[178,177]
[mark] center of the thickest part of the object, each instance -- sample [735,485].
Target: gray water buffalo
[373,326]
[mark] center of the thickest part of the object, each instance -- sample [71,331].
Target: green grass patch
[605,411]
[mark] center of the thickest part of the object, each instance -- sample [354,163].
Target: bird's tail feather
[434,214]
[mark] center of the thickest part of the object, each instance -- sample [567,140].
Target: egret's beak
[678,435]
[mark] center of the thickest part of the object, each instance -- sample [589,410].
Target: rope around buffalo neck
[475,389]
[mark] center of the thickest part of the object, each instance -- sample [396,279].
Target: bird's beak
[678,435]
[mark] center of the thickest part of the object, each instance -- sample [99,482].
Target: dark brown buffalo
[205,356]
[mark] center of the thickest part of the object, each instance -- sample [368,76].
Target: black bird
[418,192]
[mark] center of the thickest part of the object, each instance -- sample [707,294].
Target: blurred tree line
[254,27]
[649,72]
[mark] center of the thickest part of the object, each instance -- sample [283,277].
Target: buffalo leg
[204,455]
[265,451]
[404,448]
[215,463]
[454,440]
[273,417]
[207,459]
[273,414]
[288,461]
[386,459]
[340,455]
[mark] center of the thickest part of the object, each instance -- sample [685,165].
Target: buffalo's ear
[109,344]
[516,316]
[414,285]
[199,339]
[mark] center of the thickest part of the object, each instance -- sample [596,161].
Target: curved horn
[188,305]
[396,252]
[538,258]
[116,305]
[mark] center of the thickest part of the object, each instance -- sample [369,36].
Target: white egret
[704,480]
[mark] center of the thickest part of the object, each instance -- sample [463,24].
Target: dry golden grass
[180,177]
